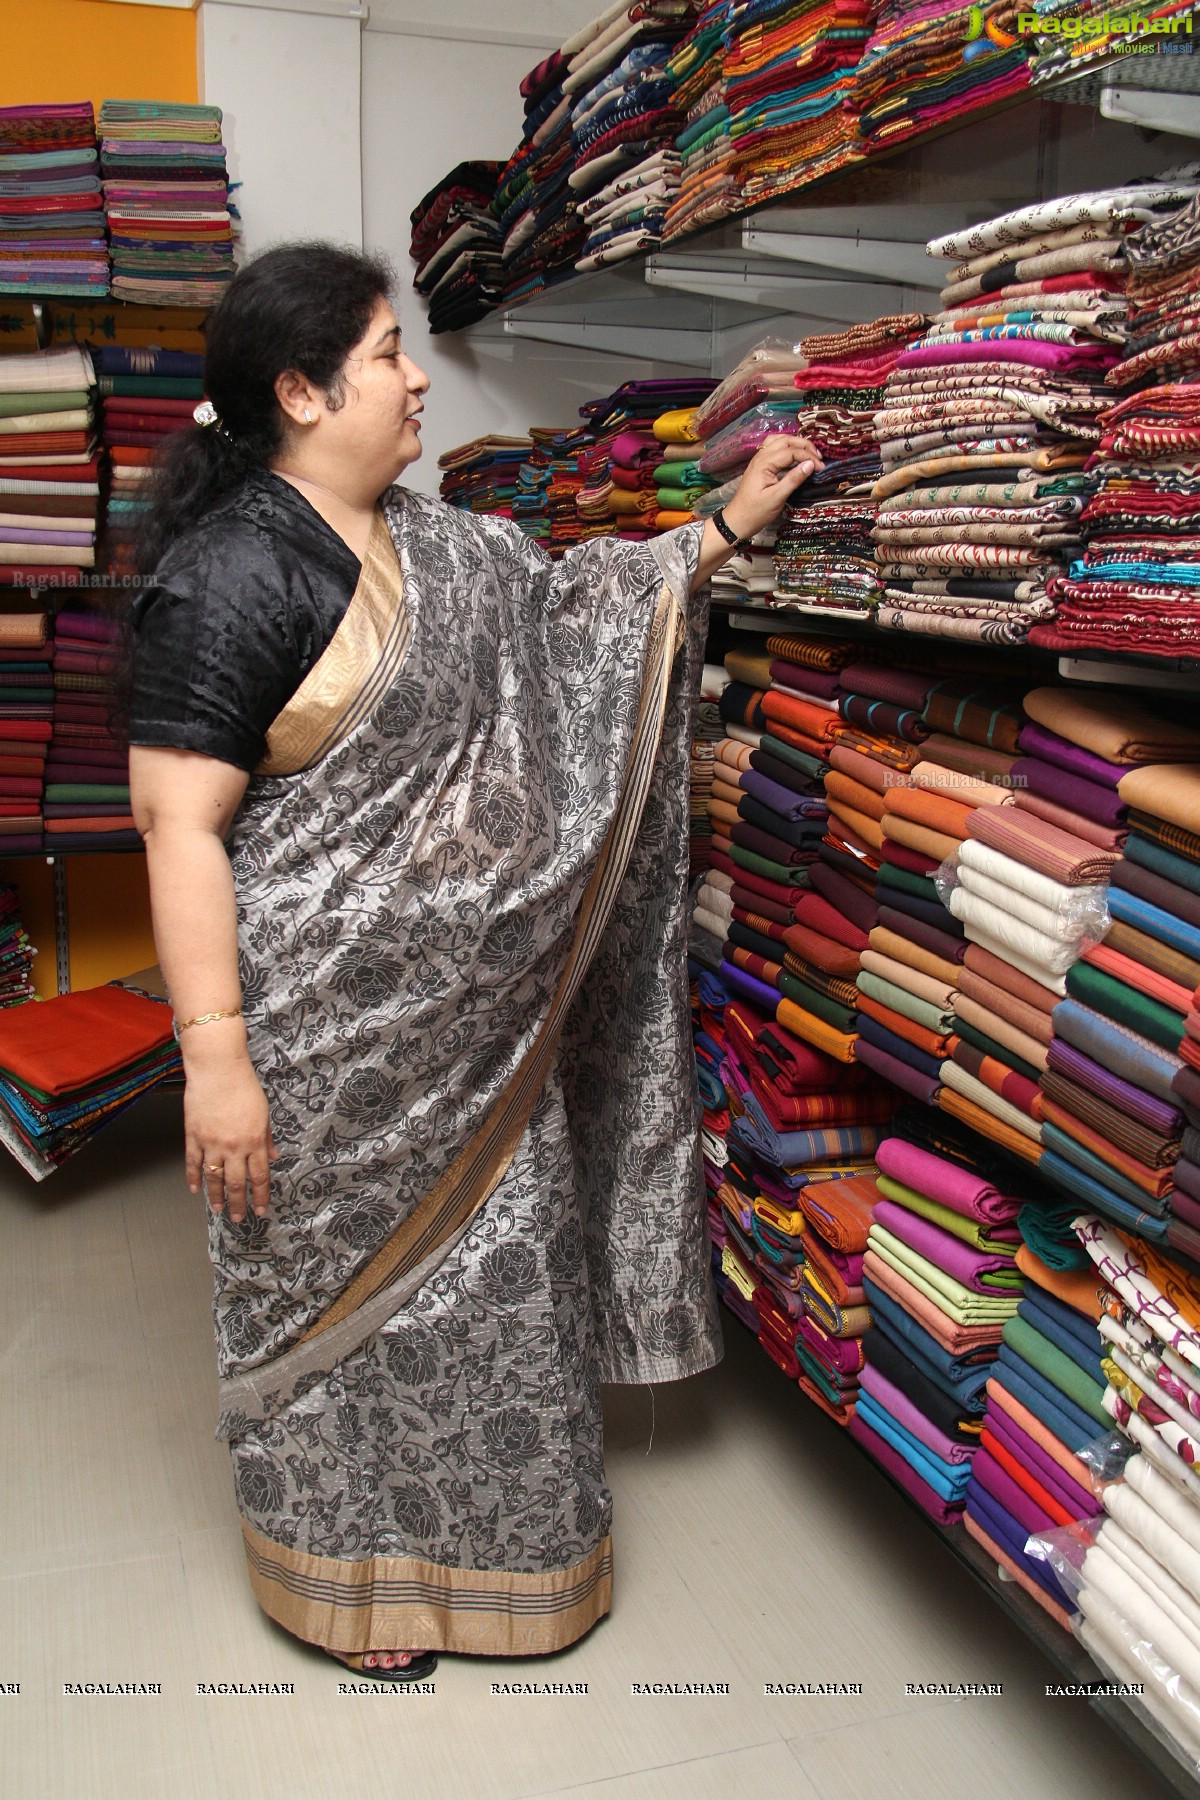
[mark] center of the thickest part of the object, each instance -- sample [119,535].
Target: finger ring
[213,1168]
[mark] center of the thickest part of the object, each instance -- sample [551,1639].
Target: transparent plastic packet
[771,363]
[737,443]
[1079,914]
[1150,1658]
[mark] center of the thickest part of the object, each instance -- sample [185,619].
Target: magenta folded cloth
[945,1182]
[96,627]
[993,1480]
[897,686]
[843,1354]
[905,1413]
[817,682]
[1035,740]
[633,449]
[1021,350]
[1103,804]
[941,1247]
[1052,1476]
[904,1474]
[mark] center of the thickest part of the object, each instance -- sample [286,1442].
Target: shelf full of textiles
[656,121]
[133,203]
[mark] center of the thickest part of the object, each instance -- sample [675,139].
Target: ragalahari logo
[984,36]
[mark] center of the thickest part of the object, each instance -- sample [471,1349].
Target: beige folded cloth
[1113,727]
[1169,791]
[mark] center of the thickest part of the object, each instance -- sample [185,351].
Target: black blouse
[241,608]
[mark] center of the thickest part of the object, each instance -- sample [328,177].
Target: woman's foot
[391,1665]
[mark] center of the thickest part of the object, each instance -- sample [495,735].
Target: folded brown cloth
[1113,727]
[1029,1020]
[1170,791]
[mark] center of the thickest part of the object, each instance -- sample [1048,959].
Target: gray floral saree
[460,875]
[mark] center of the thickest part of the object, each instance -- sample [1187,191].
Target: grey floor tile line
[613,1785]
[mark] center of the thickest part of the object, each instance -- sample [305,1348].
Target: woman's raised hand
[779,467]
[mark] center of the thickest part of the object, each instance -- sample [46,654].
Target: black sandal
[419,1669]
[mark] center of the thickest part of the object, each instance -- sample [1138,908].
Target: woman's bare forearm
[195,928]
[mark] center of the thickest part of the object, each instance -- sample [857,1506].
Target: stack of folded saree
[52,238]
[1135,586]
[87,771]
[990,419]
[788,70]
[914,76]
[941,1280]
[26,712]
[16,952]
[49,469]
[166,196]
[1135,1572]
[456,244]
[1044,1404]
[481,476]
[707,188]
[549,483]
[69,1065]
[679,481]
[709,998]
[828,1338]
[708,730]
[146,394]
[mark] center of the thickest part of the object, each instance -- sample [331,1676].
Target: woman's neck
[350,518]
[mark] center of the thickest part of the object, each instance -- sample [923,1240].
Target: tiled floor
[753,1545]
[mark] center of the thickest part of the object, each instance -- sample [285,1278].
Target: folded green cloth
[921,887]
[677,499]
[961,1303]
[1117,1000]
[1058,1369]
[921,1012]
[971,1231]
[13,405]
[842,1018]
[83,793]
[971,1034]
[767,867]
[683,475]
[795,759]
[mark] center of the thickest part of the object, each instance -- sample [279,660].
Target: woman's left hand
[778,468]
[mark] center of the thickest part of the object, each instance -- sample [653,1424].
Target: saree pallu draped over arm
[461,876]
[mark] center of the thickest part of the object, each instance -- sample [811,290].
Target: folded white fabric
[1157,1537]
[1006,929]
[1030,882]
[589,33]
[1119,1648]
[1064,928]
[710,922]
[712,900]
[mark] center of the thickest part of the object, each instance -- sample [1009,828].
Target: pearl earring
[308,418]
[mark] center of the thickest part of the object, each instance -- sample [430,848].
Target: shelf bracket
[871,259]
[690,349]
[62,925]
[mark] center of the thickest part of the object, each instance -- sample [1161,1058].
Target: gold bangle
[235,1012]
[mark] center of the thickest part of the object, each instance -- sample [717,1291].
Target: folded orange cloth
[868,830]
[840,1211]
[853,794]
[838,1044]
[799,740]
[919,837]
[933,1043]
[868,770]
[1137,975]
[802,715]
[1080,1288]
[813,947]
[935,811]
[987,1125]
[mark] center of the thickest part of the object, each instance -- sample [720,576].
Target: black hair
[301,306]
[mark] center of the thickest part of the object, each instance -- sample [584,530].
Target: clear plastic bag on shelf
[1066,915]
[1131,1623]
[772,363]
[1106,1457]
[705,505]
[735,445]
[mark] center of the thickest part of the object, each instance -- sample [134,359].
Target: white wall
[289,86]
[429,103]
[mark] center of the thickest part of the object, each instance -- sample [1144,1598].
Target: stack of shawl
[145,395]
[941,1280]
[709,999]
[825,556]
[680,483]
[456,244]
[789,69]
[26,699]
[708,729]
[989,419]
[915,77]
[1136,1570]
[16,952]
[829,1337]
[1137,584]
[49,468]
[87,772]
[707,189]
[549,484]
[1044,1404]
[631,431]
[482,476]
[51,206]
[582,131]
[166,194]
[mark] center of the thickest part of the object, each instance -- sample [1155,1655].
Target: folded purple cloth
[1146,1108]
[817,682]
[784,801]
[948,1252]
[1187,1177]
[757,992]
[993,1480]
[1035,740]
[1103,804]
[959,1189]
[1052,1476]
[636,449]
[913,1419]
[915,1082]
[843,1354]
[904,1474]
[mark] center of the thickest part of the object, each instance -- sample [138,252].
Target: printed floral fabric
[405,911]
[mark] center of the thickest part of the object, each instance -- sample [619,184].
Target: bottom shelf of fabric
[1067,1655]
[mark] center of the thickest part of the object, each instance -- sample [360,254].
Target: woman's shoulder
[249,535]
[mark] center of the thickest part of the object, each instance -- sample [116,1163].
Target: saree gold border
[357,1606]
[353,671]
[479,1168]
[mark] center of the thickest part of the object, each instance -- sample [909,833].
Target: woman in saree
[414,799]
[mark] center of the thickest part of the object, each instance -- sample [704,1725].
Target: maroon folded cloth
[898,686]
[814,911]
[901,857]
[950,949]
[818,682]
[862,910]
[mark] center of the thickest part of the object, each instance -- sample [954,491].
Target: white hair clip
[206,414]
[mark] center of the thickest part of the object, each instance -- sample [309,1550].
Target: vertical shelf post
[62,932]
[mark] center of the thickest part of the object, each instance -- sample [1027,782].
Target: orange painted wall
[96,50]
[56,50]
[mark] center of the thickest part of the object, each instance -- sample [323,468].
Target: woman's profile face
[378,425]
